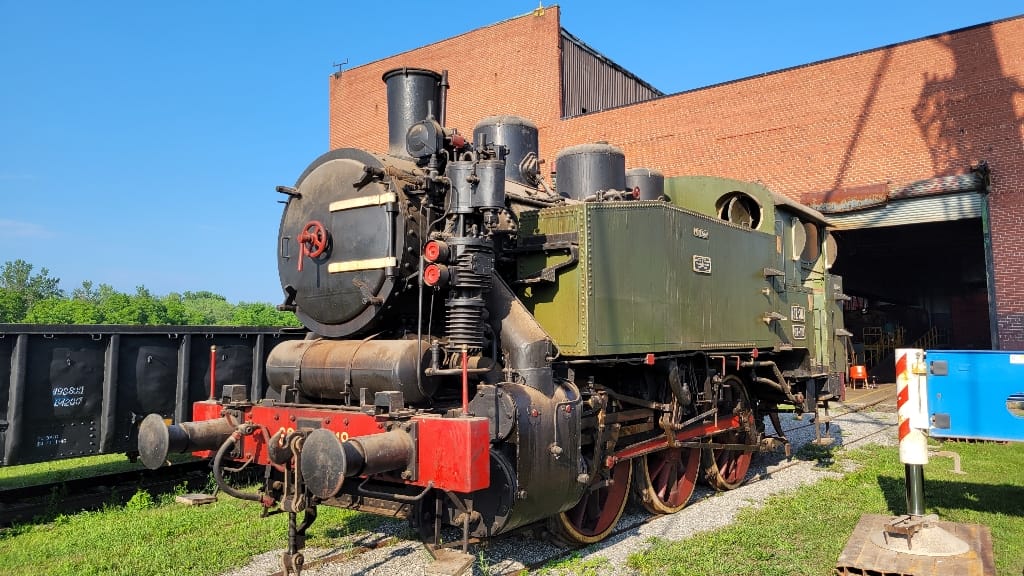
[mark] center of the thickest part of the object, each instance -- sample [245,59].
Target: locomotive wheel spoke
[726,469]
[597,512]
[665,480]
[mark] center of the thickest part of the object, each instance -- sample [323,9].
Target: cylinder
[476,185]
[649,183]
[157,439]
[380,453]
[590,168]
[490,191]
[912,416]
[336,369]
[326,461]
[915,489]
[519,137]
[459,173]
[413,94]
[464,322]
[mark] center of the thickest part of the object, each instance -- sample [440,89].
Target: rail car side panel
[6,356]
[706,281]
[69,391]
[646,296]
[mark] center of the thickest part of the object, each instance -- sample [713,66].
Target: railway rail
[26,503]
[752,479]
[634,521]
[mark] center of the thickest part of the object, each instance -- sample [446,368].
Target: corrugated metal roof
[874,195]
[592,83]
[939,208]
[939,199]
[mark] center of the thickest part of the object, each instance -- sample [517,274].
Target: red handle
[312,241]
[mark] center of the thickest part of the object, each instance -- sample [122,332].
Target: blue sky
[140,142]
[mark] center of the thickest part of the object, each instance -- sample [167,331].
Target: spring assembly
[473,266]
[465,323]
[471,279]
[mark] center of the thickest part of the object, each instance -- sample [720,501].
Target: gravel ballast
[391,552]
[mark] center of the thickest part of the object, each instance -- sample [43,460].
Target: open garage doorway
[916,286]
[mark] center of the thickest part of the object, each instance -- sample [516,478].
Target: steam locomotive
[490,350]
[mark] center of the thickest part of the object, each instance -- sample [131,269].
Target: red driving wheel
[312,241]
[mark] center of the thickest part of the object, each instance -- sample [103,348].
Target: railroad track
[47,500]
[752,479]
[624,526]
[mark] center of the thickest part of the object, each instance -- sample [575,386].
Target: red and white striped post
[912,416]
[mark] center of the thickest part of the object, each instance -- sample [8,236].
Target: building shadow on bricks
[964,114]
[862,119]
[967,117]
[942,495]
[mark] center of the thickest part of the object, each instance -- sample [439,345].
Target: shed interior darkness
[918,285]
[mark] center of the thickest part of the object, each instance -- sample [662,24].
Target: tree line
[37,298]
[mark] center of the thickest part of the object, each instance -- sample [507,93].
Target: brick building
[884,141]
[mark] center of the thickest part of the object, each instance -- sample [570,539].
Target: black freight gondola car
[69,391]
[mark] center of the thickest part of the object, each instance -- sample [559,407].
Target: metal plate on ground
[861,556]
[195,499]
[450,563]
[928,541]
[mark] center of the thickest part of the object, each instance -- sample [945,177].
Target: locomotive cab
[806,298]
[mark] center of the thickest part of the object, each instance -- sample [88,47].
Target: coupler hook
[292,560]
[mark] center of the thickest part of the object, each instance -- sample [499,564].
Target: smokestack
[413,94]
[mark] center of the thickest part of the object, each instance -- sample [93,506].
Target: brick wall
[912,111]
[506,68]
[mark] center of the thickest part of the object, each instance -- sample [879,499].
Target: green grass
[154,536]
[70,469]
[803,532]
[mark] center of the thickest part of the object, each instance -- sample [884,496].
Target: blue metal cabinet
[976,394]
